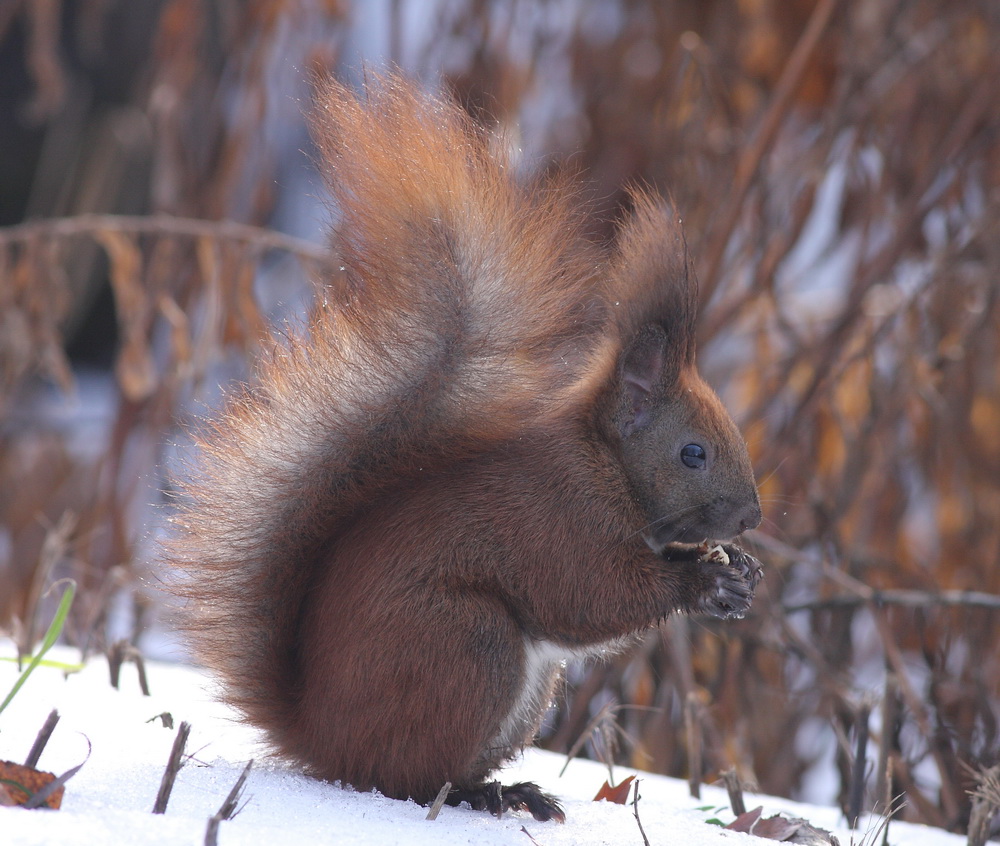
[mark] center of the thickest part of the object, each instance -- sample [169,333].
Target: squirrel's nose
[750,517]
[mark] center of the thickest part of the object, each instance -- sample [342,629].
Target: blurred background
[837,165]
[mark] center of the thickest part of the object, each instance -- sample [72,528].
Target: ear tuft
[651,277]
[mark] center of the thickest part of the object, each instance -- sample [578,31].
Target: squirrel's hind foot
[496,798]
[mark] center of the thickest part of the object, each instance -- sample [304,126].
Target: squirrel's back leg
[497,798]
[405,683]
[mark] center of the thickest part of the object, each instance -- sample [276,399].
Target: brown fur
[469,462]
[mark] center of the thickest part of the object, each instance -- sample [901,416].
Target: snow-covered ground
[110,799]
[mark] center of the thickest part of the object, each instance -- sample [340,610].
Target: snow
[110,799]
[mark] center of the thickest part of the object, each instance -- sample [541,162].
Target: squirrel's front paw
[733,575]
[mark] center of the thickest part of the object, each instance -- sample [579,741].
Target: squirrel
[486,452]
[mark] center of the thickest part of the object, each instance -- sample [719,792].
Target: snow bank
[110,799]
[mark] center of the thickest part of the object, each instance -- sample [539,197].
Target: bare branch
[90,225]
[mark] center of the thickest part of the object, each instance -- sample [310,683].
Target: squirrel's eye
[693,456]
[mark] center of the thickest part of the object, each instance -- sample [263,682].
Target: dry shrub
[158,109]
[837,165]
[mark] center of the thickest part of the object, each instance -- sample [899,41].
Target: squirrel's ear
[643,367]
[651,280]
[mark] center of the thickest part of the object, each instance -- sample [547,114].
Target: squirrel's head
[685,458]
[686,461]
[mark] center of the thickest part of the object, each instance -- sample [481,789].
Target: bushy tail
[470,307]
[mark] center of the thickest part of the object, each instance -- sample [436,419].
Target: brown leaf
[254,324]
[134,368]
[782,829]
[772,828]
[180,332]
[617,794]
[745,821]
[19,783]
[125,259]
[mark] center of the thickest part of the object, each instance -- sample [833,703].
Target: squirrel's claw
[497,798]
[733,583]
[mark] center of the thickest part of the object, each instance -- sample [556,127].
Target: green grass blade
[55,665]
[51,636]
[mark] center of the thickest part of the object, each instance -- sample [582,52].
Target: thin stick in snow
[212,831]
[856,793]
[532,839]
[174,764]
[228,809]
[735,790]
[635,810]
[43,737]
[439,801]
[120,652]
[692,724]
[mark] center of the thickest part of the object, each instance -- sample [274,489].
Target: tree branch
[164,224]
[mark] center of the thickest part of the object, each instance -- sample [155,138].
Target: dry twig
[42,739]
[174,764]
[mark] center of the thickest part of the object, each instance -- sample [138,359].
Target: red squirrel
[487,452]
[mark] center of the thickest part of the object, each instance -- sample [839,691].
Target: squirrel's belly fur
[471,465]
[543,660]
